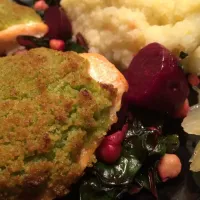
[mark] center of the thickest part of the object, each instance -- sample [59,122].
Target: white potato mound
[118,29]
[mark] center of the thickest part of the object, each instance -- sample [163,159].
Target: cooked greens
[136,168]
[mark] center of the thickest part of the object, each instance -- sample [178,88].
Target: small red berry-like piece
[109,153]
[57,44]
[117,137]
[40,5]
[110,149]
[182,112]
[193,80]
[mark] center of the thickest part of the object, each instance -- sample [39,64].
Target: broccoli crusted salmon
[18,20]
[54,111]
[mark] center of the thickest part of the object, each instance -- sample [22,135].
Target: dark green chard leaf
[93,189]
[183,55]
[52,2]
[73,46]
[32,42]
[136,168]
[172,143]
[166,144]
[121,173]
[133,155]
[148,178]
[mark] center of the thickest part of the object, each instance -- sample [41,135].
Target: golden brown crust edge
[104,72]
[99,64]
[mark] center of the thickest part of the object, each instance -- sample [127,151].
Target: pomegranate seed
[109,153]
[110,149]
[182,112]
[40,5]
[117,137]
[193,80]
[57,44]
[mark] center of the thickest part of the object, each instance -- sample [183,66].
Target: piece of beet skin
[155,80]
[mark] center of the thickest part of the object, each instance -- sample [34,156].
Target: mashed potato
[118,29]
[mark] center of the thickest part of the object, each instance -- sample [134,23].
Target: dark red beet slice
[155,80]
[59,24]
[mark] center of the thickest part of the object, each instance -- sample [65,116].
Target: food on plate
[16,20]
[195,162]
[156,80]
[55,108]
[191,124]
[169,167]
[137,168]
[119,29]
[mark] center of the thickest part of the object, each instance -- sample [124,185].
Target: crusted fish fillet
[18,20]
[55,108]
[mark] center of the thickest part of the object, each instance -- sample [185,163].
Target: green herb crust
[50,109]
[14,14]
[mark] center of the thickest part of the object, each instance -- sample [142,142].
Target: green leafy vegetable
[121,173]
[32,42]
[183,55]
[136,168]
[93,189]
[52,2]
[73,46]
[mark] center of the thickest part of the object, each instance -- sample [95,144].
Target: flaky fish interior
[55,108]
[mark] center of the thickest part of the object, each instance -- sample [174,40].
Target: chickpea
[40,5]
[57,44]
[169,167]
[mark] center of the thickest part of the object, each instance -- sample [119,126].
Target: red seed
[40,5]
[109,153]
[182,112]
[110,149]
[193,80]
[117,137]
[57,44]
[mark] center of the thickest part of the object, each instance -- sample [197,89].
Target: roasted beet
[155,80]
[58,23]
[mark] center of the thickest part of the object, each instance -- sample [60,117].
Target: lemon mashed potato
[118,29]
